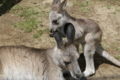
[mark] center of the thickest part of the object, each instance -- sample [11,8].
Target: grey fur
[88,34]
[26,63]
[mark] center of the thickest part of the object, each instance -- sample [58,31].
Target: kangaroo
[87,33]
[27,63]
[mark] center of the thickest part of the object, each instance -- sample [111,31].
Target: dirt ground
[105,12]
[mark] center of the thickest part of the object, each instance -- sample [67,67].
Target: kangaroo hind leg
[89,51]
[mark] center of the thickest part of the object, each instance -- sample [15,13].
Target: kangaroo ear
[62,5]
[70,32]
[56,2]
[58,39]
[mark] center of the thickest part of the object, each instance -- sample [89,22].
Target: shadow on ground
[6,5]
[98,60]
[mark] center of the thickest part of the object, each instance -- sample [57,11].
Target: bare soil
[105,13]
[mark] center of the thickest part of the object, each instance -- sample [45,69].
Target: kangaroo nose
[51,30]
[51,33]
[78,76]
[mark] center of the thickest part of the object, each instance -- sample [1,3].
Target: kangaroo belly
[20,71]
[11,73]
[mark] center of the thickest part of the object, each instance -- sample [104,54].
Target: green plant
[82,4]
[46,30]
[28,13]
[28,25]
[117,57]
[38,33]
[117,49]
[35,35]
[17,7]
[25,12]
[118,10]
[109,7]
[85,9]
[85,3]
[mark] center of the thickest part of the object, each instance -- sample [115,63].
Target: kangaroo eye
[66,63]
[55,22]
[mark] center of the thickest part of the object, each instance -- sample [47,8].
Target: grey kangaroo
[26,63]
[87,33]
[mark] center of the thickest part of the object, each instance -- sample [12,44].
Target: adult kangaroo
[87,33]
[26,63]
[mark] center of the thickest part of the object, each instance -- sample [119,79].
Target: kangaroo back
[20,62]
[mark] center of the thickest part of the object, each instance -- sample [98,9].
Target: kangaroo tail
[106,55]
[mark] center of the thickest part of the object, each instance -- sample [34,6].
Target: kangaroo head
[66,56]
[57,16]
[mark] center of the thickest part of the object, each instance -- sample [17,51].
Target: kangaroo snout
[78,76]
[51,33]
